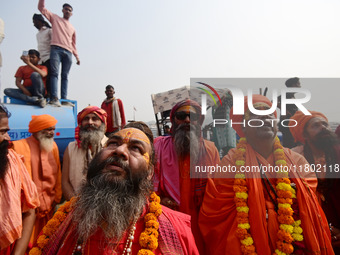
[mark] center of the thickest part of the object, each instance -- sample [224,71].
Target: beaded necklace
[289,229]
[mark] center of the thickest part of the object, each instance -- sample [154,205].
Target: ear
[151,172]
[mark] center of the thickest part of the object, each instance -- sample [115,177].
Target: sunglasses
[184,115]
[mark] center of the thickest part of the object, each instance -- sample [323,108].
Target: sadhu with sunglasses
[179,188]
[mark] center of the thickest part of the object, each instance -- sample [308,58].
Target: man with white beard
[41,158]
[90,138]
[177,156]
[116,211]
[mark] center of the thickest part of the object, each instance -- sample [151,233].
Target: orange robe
[172,179]
[44,168]
[175,237]
[18,194]
[217,219]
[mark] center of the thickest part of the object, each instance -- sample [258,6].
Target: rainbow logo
[209,93]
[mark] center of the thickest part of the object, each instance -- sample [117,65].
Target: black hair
[109,87]
[67,5]
[34,52]
[40,18]
[292,81]
[4,111]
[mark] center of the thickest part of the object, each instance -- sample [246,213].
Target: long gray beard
[109,204]
[46,143]
[92,138]
[187,142]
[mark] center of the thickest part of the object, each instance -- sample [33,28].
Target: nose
[6,137]
[121,151]
[187,119]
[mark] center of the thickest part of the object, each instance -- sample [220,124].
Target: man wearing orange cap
[41,158]
[177,155]
[320,147]
[259,206]
[18,196]
[90,138]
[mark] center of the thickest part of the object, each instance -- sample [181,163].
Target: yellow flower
[247,241]
[244,226]
[283,186]
[240,162]
[243,209]
[297,223]
[150,216]
[155,198]
[278,252]
[297,237]
[287,228]
[284,206]
[243,195]
[240,176]
[297,230]
[281,162]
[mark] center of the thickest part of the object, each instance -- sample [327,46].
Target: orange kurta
[18,194]
[173,178]
[217,219]
[46,174]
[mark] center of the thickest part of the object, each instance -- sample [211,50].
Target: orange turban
[302,120]
[40,122]
[239,118]
[92,109]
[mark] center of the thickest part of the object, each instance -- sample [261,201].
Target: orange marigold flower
[242,220]
[285,201]
[284,236]
[148,241]
[155,198]
[285,247]
[152,224]
[150,216]
[145,252]
[59,215]
[247,249]
[285,211]
[285,219]
[154,207]
[241,233]
[42,241]
[240,182]
[35,251]
[238,188]
[284,193]
[239,200]
[241,204]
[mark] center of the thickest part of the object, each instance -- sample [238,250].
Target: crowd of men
[132,194]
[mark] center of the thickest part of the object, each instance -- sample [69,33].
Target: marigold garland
[289,229]
[149,237]
[51,227]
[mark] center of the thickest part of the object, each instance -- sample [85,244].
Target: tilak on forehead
[132,133]
[186,108]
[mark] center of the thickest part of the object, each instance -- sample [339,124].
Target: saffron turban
[302,120]
[239,118]
[40,122]
[92,109]
[186,103]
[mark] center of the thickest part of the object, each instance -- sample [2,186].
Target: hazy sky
[143,47]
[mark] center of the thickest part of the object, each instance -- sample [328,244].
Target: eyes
[134,147]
